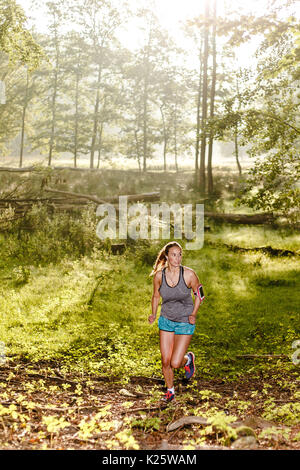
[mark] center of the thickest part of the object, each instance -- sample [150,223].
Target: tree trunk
[51,144]
[76,120]
[175,135]
[145,142]
[137,149]
[165,137]
[204,101]
[23,119]
[236,146]
[54,95]
[95,122]
[236,151]
[145,104]
[100,144]
[197,145]
[101,132]
[212,102]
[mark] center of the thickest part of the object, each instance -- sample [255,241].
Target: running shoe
[169,396]
[190,369]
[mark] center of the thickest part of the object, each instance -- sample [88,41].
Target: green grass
[92,312]
[255,236]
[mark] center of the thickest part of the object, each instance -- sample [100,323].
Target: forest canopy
[101,82]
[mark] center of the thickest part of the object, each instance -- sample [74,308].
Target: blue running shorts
[179,328]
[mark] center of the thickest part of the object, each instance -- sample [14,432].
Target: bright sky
[170,14]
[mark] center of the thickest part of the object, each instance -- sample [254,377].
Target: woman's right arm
[155,296]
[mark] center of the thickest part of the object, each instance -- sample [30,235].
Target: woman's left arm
[194,285]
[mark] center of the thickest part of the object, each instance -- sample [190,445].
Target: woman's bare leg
[181,344]
[166,350]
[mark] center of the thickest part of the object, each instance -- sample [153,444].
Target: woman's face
[174,256]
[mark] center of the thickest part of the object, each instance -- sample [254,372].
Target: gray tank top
[177,303]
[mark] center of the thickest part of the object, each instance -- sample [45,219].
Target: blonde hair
[161,259]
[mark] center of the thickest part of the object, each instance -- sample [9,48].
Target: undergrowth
[91,312]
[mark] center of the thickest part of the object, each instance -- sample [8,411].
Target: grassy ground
[94,309]
[82,320]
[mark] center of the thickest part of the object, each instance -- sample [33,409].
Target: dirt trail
[42,406]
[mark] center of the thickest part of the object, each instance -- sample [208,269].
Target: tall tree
[76,69]
[194,30]
[236,131]
[198,116]
[16,41]
[135,123]
[268,115]
[174,98]
[100,19]
[56,15]
[25,105]
[202,178]
[144,75]
[18,48]
[212,98]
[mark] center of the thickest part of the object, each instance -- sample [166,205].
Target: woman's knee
[166,362]
[175,363]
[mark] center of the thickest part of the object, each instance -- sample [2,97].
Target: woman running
[173,282]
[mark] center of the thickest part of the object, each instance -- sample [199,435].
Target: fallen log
[187,420]
[154,196]
[264,249]
[67,207]
[17,170]
[253,219]
[61,203]
[71,200]
[89,197]
[34,200]
[26,169]
[109,199]
[251,421]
